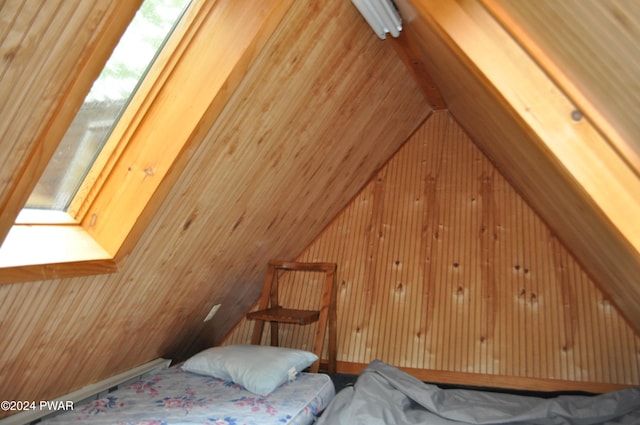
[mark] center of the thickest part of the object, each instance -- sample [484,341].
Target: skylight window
[109,96]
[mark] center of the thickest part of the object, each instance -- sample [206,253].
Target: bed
[250,388]
[383,394]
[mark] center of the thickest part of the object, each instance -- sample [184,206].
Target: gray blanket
[385,395]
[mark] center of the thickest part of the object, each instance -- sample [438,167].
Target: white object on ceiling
[381,15]
[212,312]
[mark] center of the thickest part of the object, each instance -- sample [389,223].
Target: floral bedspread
[173,396]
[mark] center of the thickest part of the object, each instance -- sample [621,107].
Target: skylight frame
[62,244]
[140,173]
[52,214]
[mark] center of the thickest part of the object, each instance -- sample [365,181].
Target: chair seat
[285,315]
[270,310]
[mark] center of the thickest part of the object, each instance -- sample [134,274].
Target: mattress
[173,396]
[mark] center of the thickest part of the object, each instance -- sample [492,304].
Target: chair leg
[326,322]
[274,334]
[265,298]
[256,337]
[333,328]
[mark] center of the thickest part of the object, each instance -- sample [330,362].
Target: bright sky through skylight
[110,93]
[135,51]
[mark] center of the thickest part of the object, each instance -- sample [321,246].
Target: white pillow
[260,369]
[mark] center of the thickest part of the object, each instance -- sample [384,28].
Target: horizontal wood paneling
[322,108]
[443,267]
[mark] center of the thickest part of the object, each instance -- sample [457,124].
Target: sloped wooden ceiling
[51,54]
[590,49]
[555,113]
[323,106]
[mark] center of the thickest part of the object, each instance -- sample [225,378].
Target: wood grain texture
[322,108]
[565,168]
[590,49]
[158,149]
[51,53]
[443,267]
[409,50]
[457,274]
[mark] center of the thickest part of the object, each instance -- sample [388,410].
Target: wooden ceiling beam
[587,49]
[537,137]
[407,47]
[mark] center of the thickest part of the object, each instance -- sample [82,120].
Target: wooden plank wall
[324,105]
[567,169]
[442,266]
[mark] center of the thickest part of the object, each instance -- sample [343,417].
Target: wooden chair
[270,310]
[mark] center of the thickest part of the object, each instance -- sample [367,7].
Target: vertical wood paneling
[584,188]
[442,266]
